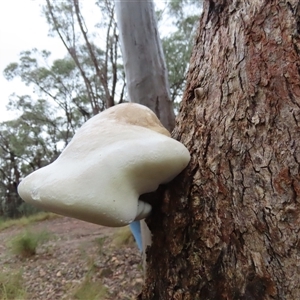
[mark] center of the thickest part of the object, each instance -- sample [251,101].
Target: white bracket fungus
[113,158]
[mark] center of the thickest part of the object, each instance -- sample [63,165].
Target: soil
[77,251]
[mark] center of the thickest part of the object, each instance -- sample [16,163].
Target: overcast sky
[21,28]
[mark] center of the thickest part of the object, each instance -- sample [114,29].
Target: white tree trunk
[145,68]
[144,62]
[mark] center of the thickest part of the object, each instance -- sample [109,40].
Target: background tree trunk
[145,69]
[144,62]
[228,227]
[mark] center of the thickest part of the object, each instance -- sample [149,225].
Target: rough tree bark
[228,226]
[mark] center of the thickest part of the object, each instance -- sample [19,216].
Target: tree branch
[72,52]
[109,99]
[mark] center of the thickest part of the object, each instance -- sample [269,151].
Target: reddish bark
[228,227]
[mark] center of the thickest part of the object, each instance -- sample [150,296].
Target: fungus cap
[113,158]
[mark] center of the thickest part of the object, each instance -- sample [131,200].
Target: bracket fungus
[113,158]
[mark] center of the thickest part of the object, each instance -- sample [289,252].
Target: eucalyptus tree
[228,226]
[47,119]
[103,72]
[27,143]
[146,73]
[58,84]
[143,57]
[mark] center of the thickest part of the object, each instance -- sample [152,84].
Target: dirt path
[78,253]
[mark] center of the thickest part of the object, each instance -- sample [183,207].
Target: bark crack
[290,94]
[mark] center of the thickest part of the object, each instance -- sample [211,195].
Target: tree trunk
[145,69]
[144,62]
[228,226]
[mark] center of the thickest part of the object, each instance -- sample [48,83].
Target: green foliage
[56,84]
[26,144]
[25,244]
[11,286]
[63,67]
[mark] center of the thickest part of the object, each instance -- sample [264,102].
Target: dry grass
[123,236]
[90,289]
[24,221]
[11,286]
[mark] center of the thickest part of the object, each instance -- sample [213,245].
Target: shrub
[26,243]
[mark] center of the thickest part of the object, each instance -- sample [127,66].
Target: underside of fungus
[113,158]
